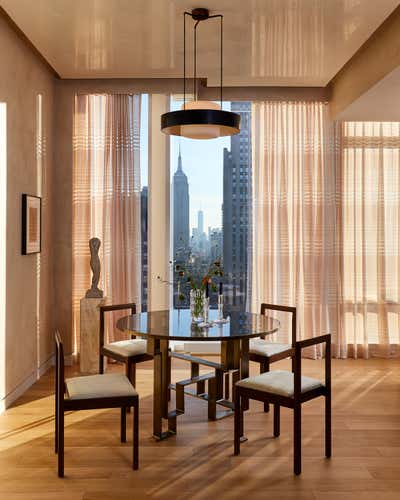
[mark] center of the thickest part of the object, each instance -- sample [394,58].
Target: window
[370,194]
[206,179]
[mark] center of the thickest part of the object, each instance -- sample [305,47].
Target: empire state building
[181,213]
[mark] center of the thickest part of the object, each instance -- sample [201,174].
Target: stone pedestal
[90,324]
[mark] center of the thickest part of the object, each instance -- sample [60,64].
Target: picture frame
[31,224]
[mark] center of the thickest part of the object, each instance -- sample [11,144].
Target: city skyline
[203,165]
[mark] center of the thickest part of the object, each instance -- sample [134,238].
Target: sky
[202,162]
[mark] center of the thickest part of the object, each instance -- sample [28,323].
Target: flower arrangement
[204,283]
[199,286]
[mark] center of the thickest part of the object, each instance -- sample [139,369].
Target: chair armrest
[297,361]
[119,307]
[316,340]
[275,307]
[289,309]
[113,307]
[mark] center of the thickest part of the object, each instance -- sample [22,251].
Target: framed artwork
[31,224]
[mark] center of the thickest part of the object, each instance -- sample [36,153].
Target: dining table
[159,328]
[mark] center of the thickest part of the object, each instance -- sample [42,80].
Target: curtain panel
[326,225]
[293,259]
[106,198]
[368,238]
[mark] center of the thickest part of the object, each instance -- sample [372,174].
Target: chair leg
[238,424]
[101,364]
[132,377]
[297,438]
[136,436]
[123,424]
[277,420]
[130,372]
[212,399]
[328,426]
[56,422]
[264,367]
[60,444]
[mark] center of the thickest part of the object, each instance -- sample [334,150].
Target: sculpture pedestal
[89,335]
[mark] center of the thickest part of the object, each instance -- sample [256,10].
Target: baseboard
[71,359]
[16,393]
[46,365]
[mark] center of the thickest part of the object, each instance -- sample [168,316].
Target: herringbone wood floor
[198,462]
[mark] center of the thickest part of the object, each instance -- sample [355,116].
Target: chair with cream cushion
[129,352]
[92,392]
[291,390]
[265,353]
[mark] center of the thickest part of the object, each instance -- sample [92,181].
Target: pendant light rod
[198,15]
[195,60]
[184,60]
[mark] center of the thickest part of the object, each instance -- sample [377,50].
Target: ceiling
[266,42]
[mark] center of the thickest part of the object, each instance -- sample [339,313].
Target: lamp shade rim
[173,121]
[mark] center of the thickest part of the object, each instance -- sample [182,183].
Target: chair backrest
[301,344]
[291,310]
[59,379]
[110,308]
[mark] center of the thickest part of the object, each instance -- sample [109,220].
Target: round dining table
[161,327]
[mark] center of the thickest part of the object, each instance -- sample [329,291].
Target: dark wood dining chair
[130,352]
[92,392]
[291,390]
[264,352]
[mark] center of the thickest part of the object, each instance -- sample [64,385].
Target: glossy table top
[175,324]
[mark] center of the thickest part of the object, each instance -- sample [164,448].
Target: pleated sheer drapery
[293,243]
[106,197]
[368,178]
[326,225]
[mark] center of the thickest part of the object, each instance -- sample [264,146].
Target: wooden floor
[198,462]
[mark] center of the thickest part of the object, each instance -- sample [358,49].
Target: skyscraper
[200,221]
[181,213]
[236,207]
[199,243]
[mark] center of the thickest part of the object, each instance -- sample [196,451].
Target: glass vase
[197,299]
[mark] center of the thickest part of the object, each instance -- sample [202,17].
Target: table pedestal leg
[244,373]
[162,377]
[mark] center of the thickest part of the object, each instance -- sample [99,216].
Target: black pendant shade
[200,119]
[178,122]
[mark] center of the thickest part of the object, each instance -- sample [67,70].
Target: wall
[28,326]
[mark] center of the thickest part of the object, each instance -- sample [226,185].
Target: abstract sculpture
[94,291]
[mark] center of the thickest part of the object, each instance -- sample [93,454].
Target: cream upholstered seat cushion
[99,386]
[280,382]
[128,347]
[263,348]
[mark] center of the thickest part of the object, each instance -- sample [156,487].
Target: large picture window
[369,237]
[210,207]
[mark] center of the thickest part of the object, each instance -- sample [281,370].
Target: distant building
[181,213]
[144,196]
[199,243]
[200,221]
[215,243]
[236,204]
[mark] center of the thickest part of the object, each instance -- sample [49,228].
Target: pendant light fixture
[200,119]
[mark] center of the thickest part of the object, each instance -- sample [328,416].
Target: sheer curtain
[106,197]
[369,238]
[293,243]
